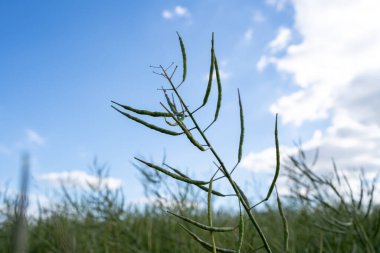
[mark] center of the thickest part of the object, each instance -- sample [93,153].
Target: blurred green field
[98,220]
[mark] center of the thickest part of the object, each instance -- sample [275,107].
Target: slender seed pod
[362,180]
[277,172]
[183,51]
[342,223]
[185,130]
[181,117]
[242,193]
[284,223]
[175,176]
[241,129]
[172,107]
[210,77]
[277,161]
[321,243]
[209,208]
[204,244]
[190,137]
[336,231]
[204,188]
[169,123]
[151,126]
[143,112]
[219,102]
[362,233]
[177,171]
[203,226]
[241,231]
[209,215]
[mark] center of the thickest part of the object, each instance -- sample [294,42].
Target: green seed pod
[183,51]
[175,176]
[209,215]
[151,126]
[203,226]
[284,223]
[169,123]
[241,129]
[241,231]
[204,244]
[172,107]
[204,188]
[219,102]
[186,131]
[277,172]
[211,73]
[143,112]
[277,161]
[242,193]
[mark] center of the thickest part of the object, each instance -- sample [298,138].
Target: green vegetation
[181,121]
[322,213]
[98,220]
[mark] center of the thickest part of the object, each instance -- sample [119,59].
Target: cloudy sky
[316,63]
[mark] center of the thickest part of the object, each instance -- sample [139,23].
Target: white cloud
[178,11]
[310,104]
[278,4]
[167,14]
[181,11]
[248,35]
[352,145]
[79,178]
[265,160]
[282,39]
[258,17]
[224,75]
[36,201]
[263,62]
[34,137]
[340,50]
[336,68]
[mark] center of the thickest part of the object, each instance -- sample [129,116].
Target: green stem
[223,168]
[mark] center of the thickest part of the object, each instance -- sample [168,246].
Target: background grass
[98,220]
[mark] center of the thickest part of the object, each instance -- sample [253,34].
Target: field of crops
[98,220]
[320,213]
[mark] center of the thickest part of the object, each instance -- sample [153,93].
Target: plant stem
[223,167]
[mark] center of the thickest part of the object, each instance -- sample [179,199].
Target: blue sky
[63,61]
